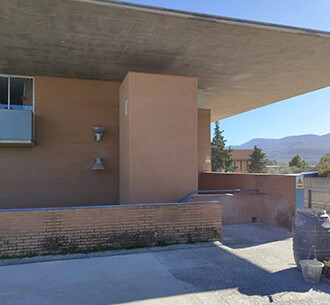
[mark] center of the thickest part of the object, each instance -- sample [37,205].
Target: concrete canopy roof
[241,65]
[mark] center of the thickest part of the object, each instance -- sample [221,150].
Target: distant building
[241,159]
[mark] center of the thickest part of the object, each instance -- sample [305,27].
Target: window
[16,92]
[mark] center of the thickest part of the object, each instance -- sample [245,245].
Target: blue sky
[305,114]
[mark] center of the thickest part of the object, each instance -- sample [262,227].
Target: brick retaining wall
[40,231]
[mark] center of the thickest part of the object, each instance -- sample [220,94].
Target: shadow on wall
[275,205]
[239,237]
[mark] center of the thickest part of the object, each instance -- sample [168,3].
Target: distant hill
[310,147]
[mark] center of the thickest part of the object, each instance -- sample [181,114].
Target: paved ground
[252,265]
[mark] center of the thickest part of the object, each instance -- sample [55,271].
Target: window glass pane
[3,93]
[21,93]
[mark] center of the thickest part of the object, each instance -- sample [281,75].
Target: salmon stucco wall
[204,143]
[277,203]
[124,141]
[57,170]
[237,208]
[162,131]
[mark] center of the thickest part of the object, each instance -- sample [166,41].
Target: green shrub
[324,166]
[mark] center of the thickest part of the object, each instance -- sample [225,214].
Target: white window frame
[20,76]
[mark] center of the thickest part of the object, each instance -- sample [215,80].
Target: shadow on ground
[226,271]
[230,274]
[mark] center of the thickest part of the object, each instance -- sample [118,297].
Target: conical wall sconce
[98,166]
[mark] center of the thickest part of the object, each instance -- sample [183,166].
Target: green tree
[324,166]
[258,161]
[222,160]
[298,162]
[271,162]
[325,158]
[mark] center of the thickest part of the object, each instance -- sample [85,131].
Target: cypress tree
[222,160]
[258,161]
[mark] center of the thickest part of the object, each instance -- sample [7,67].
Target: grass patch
[7,256]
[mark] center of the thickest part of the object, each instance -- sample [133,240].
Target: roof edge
[210,18]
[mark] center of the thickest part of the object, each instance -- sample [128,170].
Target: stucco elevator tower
[158,137]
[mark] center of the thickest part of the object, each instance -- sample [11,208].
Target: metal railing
[214,193]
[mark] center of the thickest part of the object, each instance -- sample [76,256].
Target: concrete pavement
[253,265]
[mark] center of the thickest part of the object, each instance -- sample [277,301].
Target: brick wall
[276,205]
[57,171]
[40,231]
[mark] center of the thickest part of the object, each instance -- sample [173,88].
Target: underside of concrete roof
[241,65]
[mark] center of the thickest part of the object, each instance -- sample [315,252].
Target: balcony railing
[16,127]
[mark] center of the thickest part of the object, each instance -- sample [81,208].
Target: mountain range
[310,147]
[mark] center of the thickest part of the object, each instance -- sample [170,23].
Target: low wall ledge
[110,206]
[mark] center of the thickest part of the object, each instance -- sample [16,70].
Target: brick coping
[110,206]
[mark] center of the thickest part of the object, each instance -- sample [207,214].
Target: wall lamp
[98,166]
[98,133]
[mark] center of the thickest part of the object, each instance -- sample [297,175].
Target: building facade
[241,159]
[152,79]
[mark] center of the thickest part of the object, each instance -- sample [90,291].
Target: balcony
[16,127]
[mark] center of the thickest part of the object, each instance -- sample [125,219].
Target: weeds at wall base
[100,247]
